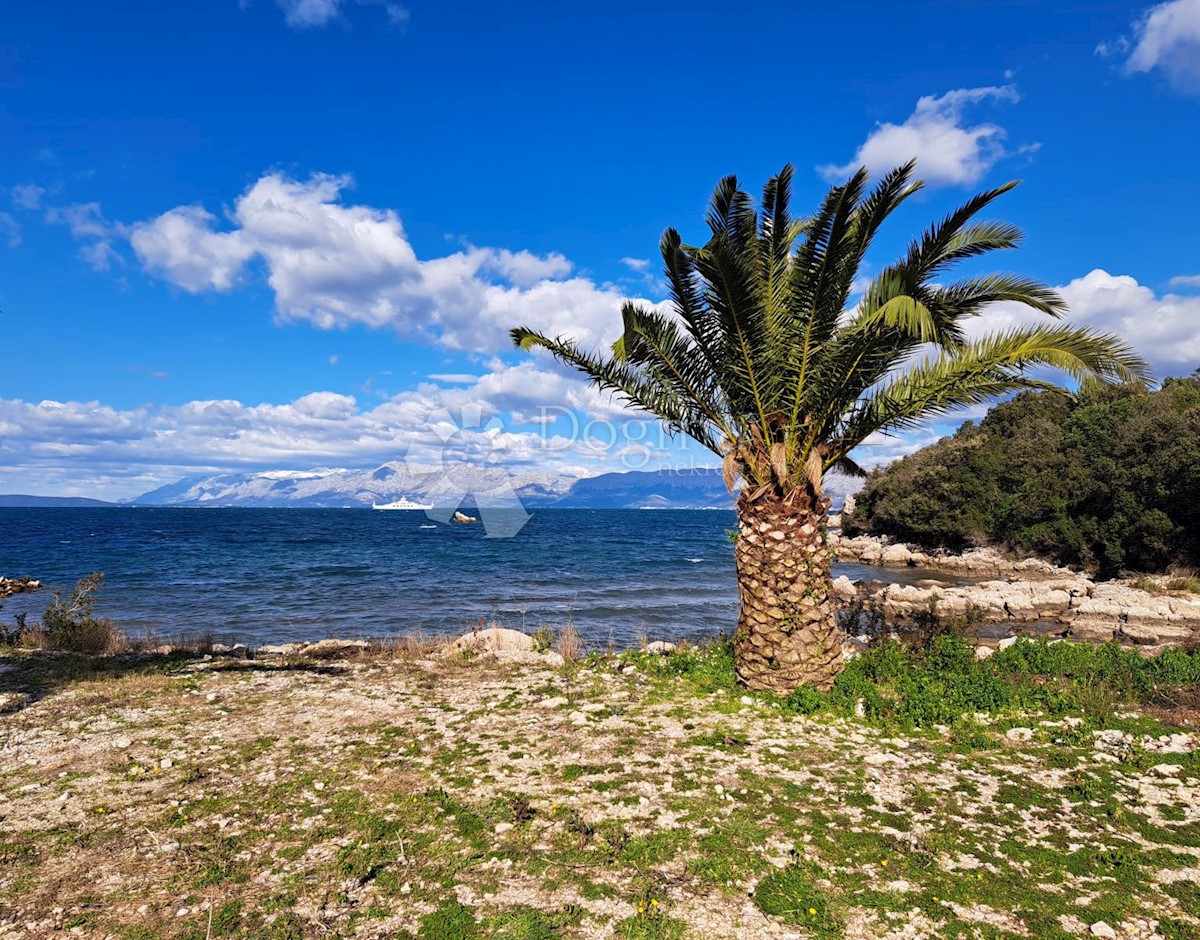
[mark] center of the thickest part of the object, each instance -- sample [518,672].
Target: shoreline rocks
[1024,593]
[977,562]
[11,586]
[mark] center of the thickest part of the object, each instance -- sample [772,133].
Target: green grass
[900,686]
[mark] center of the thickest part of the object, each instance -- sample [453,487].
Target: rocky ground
[999,589]
[465,796]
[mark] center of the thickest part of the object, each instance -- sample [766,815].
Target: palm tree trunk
[787,633]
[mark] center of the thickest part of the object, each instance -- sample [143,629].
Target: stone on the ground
[490,640]
[660,648]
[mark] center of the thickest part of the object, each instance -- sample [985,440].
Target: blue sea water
[276,575]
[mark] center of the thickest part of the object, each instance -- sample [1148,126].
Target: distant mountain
[701,488]
[341,489]
[18,501]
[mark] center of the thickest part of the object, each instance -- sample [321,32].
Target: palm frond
[984,370]
[653,397]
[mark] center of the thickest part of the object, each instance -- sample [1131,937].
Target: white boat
[401,503]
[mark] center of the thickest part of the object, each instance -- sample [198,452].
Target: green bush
[71,624]
[1105,480]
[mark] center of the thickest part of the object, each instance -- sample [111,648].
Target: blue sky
[286,234]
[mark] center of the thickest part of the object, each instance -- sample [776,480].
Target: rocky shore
[1027,593]
[11,586]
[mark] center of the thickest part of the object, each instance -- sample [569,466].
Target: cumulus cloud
[337,265]
[181,247]
[948,150]
[1167,38]
[1162,328]
[1186,280]
[309,14]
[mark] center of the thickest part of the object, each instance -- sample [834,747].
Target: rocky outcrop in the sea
[1021,592]
[10,586]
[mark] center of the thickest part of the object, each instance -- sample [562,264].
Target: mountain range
[462,486]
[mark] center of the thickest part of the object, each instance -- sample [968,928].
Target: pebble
[503,827]
[1101,929]
[166,763]
[122,743]
[1019,734]
[554,702]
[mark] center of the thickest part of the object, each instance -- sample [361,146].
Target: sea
[258,576]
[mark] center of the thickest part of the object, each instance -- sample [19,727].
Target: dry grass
[569,645]
[410,646]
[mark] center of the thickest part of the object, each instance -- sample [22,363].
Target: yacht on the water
[401,503]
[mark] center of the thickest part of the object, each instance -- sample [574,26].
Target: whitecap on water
[694,561]
[428,527]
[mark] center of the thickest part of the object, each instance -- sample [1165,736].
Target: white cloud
[948,151]
[96,234]
[337,265]
[181,246]
[1186,280]
[1162,328]
[28,196]
[1168,38]
[636,264]
[121,453]
[309,14]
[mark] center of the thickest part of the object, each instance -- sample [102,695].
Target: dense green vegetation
[1106,479]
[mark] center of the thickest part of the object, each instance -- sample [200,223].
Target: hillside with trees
[1108,480]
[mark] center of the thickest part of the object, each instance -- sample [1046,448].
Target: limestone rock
[490,640]
[660,648]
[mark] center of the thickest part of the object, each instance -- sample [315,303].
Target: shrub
[71,624]
[1104,480]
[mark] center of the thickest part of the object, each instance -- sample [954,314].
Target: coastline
[1030,594]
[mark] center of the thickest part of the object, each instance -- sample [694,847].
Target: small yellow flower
[654,904]
[812,911]
[641,908]
[884,863]
[936,898]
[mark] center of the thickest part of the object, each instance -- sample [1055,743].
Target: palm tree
[761,360]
